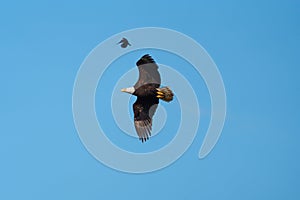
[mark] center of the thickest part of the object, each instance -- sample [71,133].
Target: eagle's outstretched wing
[143,113]
[148,72]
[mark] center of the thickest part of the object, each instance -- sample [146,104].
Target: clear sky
[255,45]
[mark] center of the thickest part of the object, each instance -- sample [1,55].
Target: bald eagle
[148,92]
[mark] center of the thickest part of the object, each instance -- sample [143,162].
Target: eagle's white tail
[165,94]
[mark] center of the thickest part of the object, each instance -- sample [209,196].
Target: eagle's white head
[129,90]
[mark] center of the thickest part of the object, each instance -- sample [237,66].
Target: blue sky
[255,45]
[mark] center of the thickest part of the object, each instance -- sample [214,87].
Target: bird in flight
[124,43]
[148,92]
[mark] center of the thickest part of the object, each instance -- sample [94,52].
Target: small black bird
[124,43]
[148,92]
